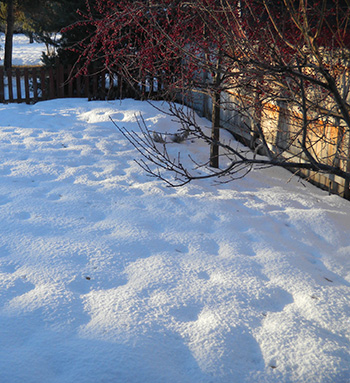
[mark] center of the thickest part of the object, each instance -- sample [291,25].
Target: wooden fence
[278,123]
[34,84]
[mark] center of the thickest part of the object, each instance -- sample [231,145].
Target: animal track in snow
[186,313]
[4,200]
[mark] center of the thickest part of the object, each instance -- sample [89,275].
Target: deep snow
[107,275]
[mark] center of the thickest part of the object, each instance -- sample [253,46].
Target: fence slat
[60,81]
[2,88]
[86,86]
[35,84]
[78,84]
[52,90]
[9,84]
[94,84]
[18,85]
[57,78]
[110,90]
[70,81]
[120,86]
[26,85]
[43,84]
[103,85]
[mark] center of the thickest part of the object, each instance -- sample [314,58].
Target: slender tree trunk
[215,117]
[9,35]
[215,131]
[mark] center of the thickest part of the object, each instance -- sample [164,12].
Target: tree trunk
[9,35]
[215,131]
[215,117]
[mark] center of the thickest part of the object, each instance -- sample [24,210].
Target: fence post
[9,82]
[94,84]
[26,85]
[111,84]
[60,80]
[52,92]
[78,82]
[18,85]
[43,84]
[103,85]
[35,84]
[120,85]
[70,81]
[86,85]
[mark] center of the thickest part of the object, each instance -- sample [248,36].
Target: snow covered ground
[109,276]
[23,52]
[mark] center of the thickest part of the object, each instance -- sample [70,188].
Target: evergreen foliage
[73,31]
[41,20]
